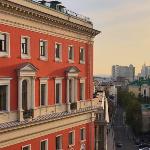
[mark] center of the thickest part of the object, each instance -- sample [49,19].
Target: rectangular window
[43,94]
[82,55]
[3,97]
[82,134]
[44,145]
[27,147]
[58,142]
[43,50]
[25,47]
[82,91]
[71,138]
[70,53]
[57,93]
[3,42]
[58,51]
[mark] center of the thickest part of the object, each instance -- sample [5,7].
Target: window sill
[71,61]
[44,58]
[4,112]
[83,141]
[25,56]
[4,54]
[82,62]
[72,145]
[58,60]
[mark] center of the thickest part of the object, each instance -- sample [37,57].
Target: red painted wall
[35,143]
[48,68]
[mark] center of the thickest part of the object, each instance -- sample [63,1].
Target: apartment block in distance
[127,72]
[46,79]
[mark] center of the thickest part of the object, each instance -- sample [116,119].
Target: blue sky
[125,26]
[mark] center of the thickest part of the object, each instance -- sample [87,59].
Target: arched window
[24,95]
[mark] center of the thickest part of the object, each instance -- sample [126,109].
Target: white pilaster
[68,103]
[20,94]
[76,93]
[73,90]
[33,92]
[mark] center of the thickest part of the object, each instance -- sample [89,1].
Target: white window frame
[83,94]
[25,56]
[84,136]
[6,81]
[82,61]
[7,53]
[58,81]
[72,137]
[44,58]
[60,53]
[29,145]
[44,81]
[45,140]
[61,141]
[71,60]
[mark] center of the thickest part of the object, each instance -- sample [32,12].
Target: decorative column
[33,92]
[68,102]
[33,96]
[20,110]
[76,93]
[73,90]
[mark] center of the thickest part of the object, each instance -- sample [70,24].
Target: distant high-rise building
[145,71]
[127,72]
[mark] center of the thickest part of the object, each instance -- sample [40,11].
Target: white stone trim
[44,58]
[82,61]
[6,81]
[60,53]
[7,53]
[30,92]
[46,143]
[44,81]
[26,56]
[71,60]
[82,80]
[29,145]
[58,81]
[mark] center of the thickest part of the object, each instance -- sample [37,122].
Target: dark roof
[42,119]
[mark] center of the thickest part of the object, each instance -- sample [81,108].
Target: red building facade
[46,78]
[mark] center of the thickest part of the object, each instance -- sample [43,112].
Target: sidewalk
[110,140]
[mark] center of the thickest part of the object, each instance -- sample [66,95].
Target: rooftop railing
[60,8]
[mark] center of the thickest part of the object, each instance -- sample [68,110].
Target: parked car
[119,144]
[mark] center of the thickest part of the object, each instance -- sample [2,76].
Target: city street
[123,135]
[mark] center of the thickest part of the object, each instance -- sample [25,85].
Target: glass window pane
[57,93]
[43,145]
[3,97]
[3,43]
[43,91]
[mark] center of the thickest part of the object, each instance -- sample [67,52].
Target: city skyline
[125,31]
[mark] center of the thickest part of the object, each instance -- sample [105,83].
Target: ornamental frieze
[32,14]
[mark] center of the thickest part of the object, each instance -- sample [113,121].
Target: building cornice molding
[38,16]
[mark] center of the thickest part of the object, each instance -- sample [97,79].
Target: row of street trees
[132,107]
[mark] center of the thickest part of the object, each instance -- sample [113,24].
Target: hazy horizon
[125,37]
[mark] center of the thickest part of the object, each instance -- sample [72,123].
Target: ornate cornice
[45,18]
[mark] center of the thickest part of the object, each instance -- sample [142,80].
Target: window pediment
[72,69]
[27,69]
